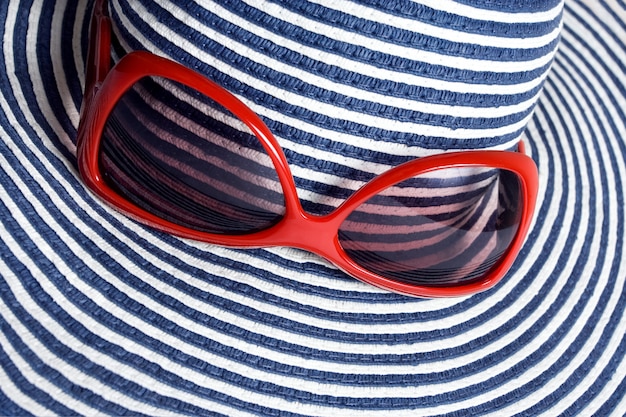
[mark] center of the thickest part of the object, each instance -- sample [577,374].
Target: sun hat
[102,315]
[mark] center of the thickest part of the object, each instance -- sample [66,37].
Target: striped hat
[101,315]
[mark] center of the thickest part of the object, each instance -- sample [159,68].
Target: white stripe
[415,25]
[343,62]
[67,104]
[451,320]
[320,107]
[288,274]
[111,364]
[460,9]
[269,266]
[32,376]
[369,70]
[462,339]
[176,342]
[78,377]
[592,339]
[14,393]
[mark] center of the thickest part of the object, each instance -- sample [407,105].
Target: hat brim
[100,315]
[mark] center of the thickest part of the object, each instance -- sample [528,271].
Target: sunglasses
[173,150]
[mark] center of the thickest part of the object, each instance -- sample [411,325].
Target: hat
[103,315]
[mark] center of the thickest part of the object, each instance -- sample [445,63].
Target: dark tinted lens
[181,156]
[445,228]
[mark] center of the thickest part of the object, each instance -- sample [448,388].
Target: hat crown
[419,76]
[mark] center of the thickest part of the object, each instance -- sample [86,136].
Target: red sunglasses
[175,151]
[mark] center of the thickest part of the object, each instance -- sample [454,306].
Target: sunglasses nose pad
[447,227]
[185,158]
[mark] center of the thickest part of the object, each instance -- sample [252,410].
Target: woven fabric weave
[102,316]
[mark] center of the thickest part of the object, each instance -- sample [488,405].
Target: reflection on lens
[444,228]
[181,156]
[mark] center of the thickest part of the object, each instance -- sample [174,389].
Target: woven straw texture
[102,316]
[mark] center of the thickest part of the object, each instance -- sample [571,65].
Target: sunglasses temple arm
[99,53]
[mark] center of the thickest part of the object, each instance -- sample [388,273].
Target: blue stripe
[8,407]
[543,351]
[85,303]
[15,103]
[161,244]
[76,359]
[594,320]
[326,377]
[614,368]
[299,87]
[45,68]
[512,7]
[420,13]
[287,325]
[81,393]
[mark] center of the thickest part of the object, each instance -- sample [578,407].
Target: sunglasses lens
[181,156]
[448,227]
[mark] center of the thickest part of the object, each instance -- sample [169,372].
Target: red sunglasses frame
[105,85]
